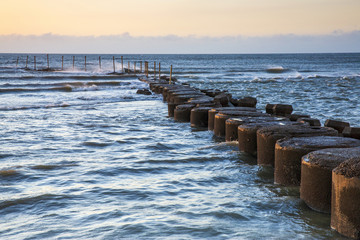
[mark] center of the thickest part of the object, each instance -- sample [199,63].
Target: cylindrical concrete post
[316,171]
[266,138]
[345,207]
[288,154]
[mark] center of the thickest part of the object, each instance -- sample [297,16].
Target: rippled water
[84,157]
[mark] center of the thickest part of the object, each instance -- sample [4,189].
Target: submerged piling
[154,70]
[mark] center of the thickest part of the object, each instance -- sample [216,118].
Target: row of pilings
[324,161]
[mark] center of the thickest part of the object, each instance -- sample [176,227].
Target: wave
[31,200]
[264,80]
[97,144]
[51,166]
[64,87]
[64,77]
[8,173]
[60,105]
[276,69]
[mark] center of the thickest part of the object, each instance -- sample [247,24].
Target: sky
[179,26]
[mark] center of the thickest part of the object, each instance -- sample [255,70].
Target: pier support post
[170,74]
[122,64]
[159,71]
[147,69]
[154,70]
[114,64]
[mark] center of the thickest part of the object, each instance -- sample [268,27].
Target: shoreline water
[110,164]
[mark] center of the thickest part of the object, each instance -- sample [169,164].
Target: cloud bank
[127,44]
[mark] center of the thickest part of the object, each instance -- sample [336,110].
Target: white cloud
[125,43]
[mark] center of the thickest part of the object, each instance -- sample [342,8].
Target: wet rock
[353,132]
[282,109]
[244,102]
[338,125]
[310,121]
[295,117]
[269,108]
[143,91]
[223,99]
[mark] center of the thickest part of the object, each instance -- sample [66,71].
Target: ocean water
[85,157]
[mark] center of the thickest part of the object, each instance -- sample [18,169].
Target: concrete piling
[280,140]
[316,175]
[266,139]
[289,151]
[353,132]
[338,125]
[199,117]
[214,111]
[182,112]
[345,209]
[247,138]
[221,117]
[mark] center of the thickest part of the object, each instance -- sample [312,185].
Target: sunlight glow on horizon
[178,17]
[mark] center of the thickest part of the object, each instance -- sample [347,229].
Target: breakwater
[283,141]
[83,156]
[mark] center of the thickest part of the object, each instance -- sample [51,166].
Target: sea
[82,156]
